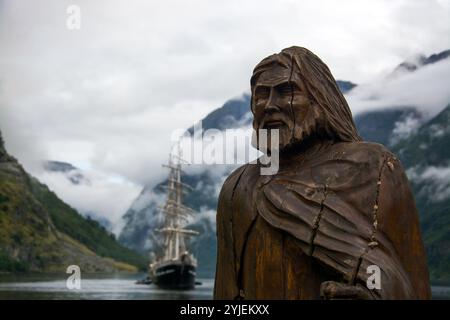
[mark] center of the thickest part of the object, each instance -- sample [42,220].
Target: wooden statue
[337,208]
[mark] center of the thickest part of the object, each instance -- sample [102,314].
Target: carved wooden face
[280,102]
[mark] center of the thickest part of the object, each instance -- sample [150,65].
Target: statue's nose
[271,108]
[271,105]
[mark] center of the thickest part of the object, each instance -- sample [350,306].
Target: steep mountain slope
[234,113]
[382,126]
[426,155]
[72,173]
[39,232]
[420,61]
[77,178]
[429,146]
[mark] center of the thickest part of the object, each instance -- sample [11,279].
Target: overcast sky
[106,97]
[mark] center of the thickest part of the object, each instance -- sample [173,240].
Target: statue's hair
[320,86]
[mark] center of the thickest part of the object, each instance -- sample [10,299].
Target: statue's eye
[262,93]
[285,89]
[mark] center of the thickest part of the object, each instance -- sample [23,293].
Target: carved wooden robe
[326,215]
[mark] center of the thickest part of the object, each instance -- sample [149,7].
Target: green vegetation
[39,232]
[435,227]
[429,147]
[85,230]
[11,265]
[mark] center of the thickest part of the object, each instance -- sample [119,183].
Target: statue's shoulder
[227,191]
[362,151]
[232,181]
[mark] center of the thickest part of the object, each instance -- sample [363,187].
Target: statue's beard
[294,134]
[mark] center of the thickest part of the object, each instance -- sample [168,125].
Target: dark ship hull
[176,276]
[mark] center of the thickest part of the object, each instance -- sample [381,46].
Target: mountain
[234,113]
[3,154]
[387,125]
[40,233]
[345,86]
[77,178]
[429,146]
[71,172]
[419,61]
[426,156]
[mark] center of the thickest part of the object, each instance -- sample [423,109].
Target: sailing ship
[176,268]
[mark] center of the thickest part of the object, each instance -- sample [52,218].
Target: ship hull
[176,276]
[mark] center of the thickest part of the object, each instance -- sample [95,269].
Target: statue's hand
[330,290]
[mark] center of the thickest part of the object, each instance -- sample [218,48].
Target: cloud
[438,130]
[97,195]
[107,97]
[205,214]
[435,181]
[427,89]
[403,129]
[147,198]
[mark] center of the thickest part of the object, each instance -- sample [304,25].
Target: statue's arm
[225,286]
[400,253]
[399,223]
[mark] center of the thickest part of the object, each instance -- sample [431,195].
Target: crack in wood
[316,221]
[372,242]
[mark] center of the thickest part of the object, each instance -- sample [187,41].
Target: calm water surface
[111,287]
[94,287]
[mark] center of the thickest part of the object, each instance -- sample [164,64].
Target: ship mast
[175,213]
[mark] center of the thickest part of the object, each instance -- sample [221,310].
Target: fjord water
[94,287]
[111,287]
